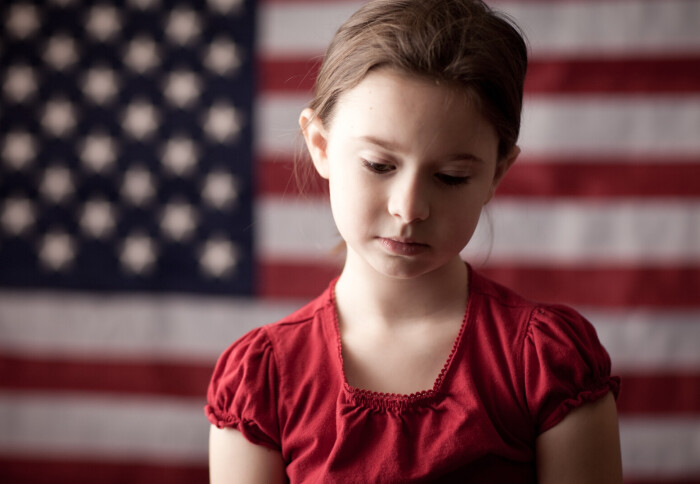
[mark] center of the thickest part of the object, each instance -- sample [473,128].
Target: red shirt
[515,370]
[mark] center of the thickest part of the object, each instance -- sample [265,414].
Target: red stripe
[662,480]
[604,179]
[606,287]
[655,393]
[599,178]
[145,377]
[556,76]
[38,471]
[614,75]
[660,393]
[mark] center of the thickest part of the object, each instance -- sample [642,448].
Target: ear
[316,140]
[502,167]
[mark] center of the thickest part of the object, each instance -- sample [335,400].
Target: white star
[220,189]
[178,220]
[98,152]
[61,52]
[226,6]
[17,215]
[140,119]
[138,254]
[103,22]
[223,57]
[56,184]
[142,55]
[59,117]
[138,186]
[180,155]
[223,122]
[20,83]
[97,219]
[57,250]
[19,150]
[182,88]
[143,4]
[218,257]
[100,84]
[182,26]
[22,20]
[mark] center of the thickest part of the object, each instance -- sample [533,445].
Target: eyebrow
[392,147]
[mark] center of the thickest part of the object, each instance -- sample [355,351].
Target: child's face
[410,165]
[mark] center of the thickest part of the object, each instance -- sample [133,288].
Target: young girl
[412,367]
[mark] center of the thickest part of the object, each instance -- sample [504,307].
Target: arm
[584,448]
[233,459]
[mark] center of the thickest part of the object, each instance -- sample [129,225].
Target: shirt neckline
[397,401]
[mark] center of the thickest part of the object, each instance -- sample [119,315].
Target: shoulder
[529,318]
[553,350]
[247,381]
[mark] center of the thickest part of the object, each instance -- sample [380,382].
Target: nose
[409,199]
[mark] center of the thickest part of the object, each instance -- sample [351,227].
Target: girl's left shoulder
[556,354]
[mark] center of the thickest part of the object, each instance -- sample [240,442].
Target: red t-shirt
[515,370]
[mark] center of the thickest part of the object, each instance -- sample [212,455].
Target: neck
[363,294]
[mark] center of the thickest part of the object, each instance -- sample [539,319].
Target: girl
[412,367]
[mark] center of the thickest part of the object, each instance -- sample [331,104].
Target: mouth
[403,246]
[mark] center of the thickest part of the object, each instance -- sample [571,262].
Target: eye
[451,179]
[380,168]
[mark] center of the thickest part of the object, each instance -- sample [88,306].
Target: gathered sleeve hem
[565,365]
[242,393]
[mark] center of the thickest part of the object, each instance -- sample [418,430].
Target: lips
[402,246]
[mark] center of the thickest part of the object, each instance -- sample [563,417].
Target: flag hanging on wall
[149,215]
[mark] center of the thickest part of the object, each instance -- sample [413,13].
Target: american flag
[149,215]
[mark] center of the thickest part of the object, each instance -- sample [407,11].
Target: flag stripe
[651,75]
[597,177]
[608,126]
[125,377]
[27,333]
[653,393]
[35,470]
[639,27]
[161,435]
[661,393]
[623,231]
[107,427]
[609,286]
[660,447]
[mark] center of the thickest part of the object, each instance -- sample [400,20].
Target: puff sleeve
[243,390]
[565,365]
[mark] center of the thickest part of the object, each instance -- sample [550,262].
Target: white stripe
[598,233]
[645,231]
[660,447]
[197,331]
[301,229]
[105,428]
[600,28]
[634,27]
[551,126]
[175,430]
[84,326]
[641,340]
[591,125]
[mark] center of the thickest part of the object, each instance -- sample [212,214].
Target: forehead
[406,109]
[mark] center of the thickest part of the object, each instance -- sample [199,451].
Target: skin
[410,165]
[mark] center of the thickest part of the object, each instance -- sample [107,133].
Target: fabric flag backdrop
[149,217]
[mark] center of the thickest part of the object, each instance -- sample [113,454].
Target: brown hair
[461,42]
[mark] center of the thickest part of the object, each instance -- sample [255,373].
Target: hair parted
[460,42]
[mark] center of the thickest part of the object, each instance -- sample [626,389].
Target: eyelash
[383,168]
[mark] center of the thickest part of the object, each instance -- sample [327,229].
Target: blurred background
[149,215]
